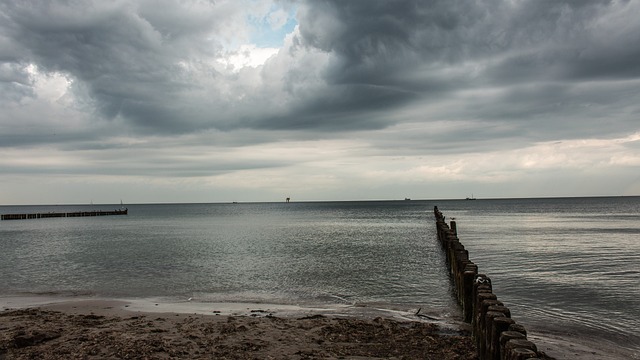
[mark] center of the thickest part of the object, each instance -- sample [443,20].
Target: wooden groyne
[497,336]
[63,214]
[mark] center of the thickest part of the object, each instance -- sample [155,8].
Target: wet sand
[98,329]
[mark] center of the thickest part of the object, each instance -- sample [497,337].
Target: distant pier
[63,214]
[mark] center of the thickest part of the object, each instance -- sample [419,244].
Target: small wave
[341,298]
[622,273]
[58,293]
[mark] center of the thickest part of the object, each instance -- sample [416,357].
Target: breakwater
[496,335]
[63,214]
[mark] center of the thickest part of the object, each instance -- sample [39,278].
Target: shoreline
[111,329]
[400,312]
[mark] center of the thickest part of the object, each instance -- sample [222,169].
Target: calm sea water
[563,266]
[296,253]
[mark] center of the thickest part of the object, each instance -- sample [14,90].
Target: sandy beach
[99,329]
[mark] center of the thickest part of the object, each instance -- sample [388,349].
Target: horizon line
[328,201]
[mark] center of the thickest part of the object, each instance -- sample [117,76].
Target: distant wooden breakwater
[497,336]
[63,214]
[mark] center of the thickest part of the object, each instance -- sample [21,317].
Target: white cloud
[247,56]
[51,87]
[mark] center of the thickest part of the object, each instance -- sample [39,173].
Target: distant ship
[471,198]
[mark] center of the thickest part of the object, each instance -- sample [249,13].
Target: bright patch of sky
[247,56]
[271,30]
[267,34]
[51,87]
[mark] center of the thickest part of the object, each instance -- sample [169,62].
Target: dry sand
[112,330]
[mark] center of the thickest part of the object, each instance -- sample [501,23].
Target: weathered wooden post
[505,337]
[480,325]
[516,349]
[461,260]
[518,328]
[485,343]
[498,326]
[470,272]
[477,307]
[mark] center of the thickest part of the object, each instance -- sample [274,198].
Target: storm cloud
[362,92]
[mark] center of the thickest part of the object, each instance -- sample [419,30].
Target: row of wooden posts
[497,336]
[62,214]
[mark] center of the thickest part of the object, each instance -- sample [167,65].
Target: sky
[152,101]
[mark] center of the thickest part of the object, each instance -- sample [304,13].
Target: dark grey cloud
[353,65]
[15,82]
[422,52]
[126,64]
[344,108]
[374,42]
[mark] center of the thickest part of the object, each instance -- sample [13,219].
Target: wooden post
[505,336]
[485,343]
[518,328]
[517,349]
[480,325]
[470,272]
[477,308]
[498,326]
[500,308]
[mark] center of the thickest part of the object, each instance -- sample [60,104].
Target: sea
[567,268]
